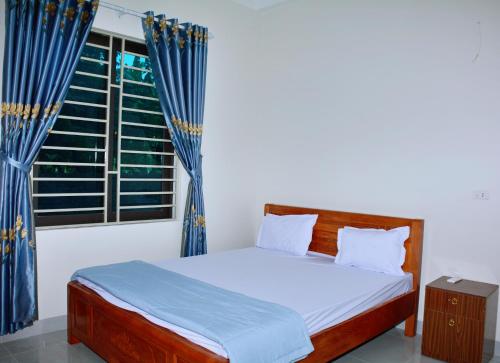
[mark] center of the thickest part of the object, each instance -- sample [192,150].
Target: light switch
[482,195]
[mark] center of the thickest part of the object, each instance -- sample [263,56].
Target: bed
[337,323]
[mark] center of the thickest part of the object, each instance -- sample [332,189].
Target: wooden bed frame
[118,335]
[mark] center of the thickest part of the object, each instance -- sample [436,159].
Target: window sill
[72,226]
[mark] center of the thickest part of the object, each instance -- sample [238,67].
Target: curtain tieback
[16,164]
[195,177]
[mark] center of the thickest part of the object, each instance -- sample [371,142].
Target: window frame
[106,195]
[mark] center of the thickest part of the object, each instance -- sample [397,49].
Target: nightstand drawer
[468,306]
[464,337]
[452,338]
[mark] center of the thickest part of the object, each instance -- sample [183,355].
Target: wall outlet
[482,195]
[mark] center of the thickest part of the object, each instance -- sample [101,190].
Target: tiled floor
[391,347]
[46,348]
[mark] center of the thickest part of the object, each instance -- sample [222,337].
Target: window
[109,158]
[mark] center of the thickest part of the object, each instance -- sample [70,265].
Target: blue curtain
[179,63]
[43,43]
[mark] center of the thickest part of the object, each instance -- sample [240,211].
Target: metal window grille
[109,158]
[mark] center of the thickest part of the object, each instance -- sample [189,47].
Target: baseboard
[43,326]
[419,327]
[419,332]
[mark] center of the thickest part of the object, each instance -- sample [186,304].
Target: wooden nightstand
[460,321]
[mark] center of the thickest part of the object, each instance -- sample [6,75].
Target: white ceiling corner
[259,4]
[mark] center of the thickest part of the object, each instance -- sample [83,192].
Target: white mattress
[323,293]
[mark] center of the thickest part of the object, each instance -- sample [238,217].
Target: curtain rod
[122,10]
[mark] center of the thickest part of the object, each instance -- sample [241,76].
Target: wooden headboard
[324,237]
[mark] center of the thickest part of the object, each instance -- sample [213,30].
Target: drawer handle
[453,301]
[451,322]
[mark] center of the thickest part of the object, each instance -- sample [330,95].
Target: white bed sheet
[322,292]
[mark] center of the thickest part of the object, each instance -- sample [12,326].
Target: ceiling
[259,4]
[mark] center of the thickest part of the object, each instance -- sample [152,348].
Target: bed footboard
[333,342]
[118,335]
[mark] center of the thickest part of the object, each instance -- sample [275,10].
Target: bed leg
[411,326]
[72,339]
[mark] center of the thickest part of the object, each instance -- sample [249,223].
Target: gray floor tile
[7,359]
[419,358]
[391,347]
[3,352]
[23,345]
[348,358]
[48,354]
[34,343]
[58,352]
[397,332]
[57,336]
[387,348]
[82,354]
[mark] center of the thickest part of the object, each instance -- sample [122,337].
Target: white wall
[377,106]
[227,121]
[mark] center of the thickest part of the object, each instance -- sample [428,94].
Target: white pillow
[289,233]
[373,249]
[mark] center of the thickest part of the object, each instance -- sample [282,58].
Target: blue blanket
[250,330]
